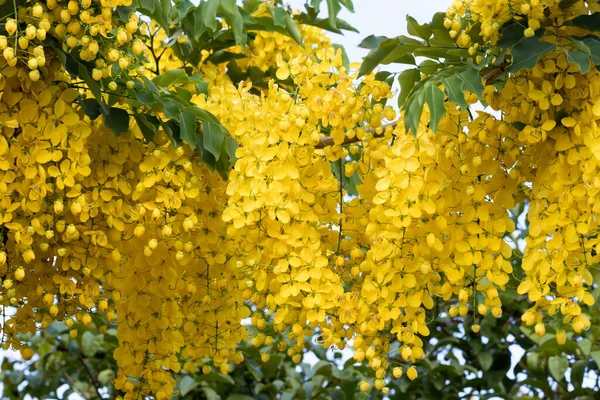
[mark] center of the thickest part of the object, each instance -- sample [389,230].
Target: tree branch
[328,140]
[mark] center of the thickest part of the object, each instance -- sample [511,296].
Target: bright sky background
[379,17]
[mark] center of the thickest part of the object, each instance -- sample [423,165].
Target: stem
[17,24]
[156,58]
[340,223]
[74,386]
[94,379]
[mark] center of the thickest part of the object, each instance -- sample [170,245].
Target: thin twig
[91,375]
[74,385]
[93,378]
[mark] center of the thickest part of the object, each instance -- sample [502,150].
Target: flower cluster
[86,27]
[467,19]
[178,257]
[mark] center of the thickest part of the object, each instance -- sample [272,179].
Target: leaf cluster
[447,70]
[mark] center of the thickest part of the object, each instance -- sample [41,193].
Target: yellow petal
[283,73]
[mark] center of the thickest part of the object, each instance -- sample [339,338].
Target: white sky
[379,17]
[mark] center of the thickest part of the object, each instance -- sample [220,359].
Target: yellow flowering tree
[206,175]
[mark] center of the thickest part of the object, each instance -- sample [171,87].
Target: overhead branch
[329,141]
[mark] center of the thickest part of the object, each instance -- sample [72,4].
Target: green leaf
[180,11]
[91,108]
[234,19]
[527,52]
[172,130]
[565,4]
[590,22]
[581,59]
[151,86]
[270,367]
[227,6]
[170,105]
[472,81]
[183,94]
[441,35]
[292,28]
[372,42]
[375,56]
[146,97]
[454,90]
[407,80]
[171,77]
[557,365]
[210,393]
[579,45]
[412,116]
[578,372]
[278,15]
[187,384]
[415,29]
[117,120]
[202,115]
[91,84]
[400,56]
[212,136]
[165,6]
[159,10]
[348,183]
[534,361]
[231,146]
[148,128]
[441,52]
[194,23]
[434,97]
[485,359]
[216,377]
[147,5]
[596,356]
[251,5]
[390,50]
[239,32]
[585,345]
[105,375]
[333,8]
[510,34]
[90,344]
[429,67]
[187,124]
[593,43]
[125,12]
[325,24]
[348,4]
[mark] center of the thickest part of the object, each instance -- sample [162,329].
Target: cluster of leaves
[448,70]
[64,365]
[84,365]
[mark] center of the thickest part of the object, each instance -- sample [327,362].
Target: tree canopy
[196,195]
